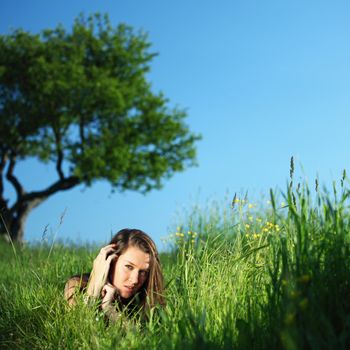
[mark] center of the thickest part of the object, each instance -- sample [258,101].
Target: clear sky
[261,81]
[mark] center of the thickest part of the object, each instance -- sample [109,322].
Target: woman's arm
[92,283]
[74,285]
[100,271]
[107,303]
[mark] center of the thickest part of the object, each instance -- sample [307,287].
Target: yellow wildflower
[289,319]
[250,218]
[304,278]
[294,294]
[250,205]
[304,303]
[247,226]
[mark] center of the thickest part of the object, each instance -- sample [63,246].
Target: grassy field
[252,276]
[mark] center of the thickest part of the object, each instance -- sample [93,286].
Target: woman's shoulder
[74,284]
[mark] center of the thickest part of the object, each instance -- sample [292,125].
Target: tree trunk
[13,218]
[13,223]
[17,229]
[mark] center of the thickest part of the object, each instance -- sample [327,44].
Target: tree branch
[60,185]
[3,203]
[13,179]
[59,155]
[3,161]
[59,164]
[40,196]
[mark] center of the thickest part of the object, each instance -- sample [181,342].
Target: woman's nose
[134,277]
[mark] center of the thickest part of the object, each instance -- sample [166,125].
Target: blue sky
[261,80]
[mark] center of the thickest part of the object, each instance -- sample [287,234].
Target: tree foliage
[81,100]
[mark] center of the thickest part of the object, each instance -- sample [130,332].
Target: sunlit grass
[250,275]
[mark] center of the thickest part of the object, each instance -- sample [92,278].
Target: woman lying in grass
[125,273]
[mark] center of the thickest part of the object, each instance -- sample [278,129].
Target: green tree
[80,99]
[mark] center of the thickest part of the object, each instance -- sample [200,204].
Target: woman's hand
[109,293]
[100,270]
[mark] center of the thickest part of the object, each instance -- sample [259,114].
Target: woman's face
[130,271]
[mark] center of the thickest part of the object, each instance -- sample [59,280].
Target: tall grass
[248,277]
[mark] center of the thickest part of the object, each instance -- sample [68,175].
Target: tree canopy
[80,99]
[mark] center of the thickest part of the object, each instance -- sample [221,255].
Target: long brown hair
[151,293]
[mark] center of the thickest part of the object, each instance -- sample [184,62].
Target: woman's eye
[143,273]
[129,267]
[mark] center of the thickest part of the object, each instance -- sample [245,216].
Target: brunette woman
[125,273]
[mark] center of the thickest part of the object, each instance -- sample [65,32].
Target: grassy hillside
[249,277]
